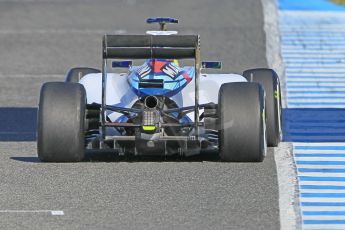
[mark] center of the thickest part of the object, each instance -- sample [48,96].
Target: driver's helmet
[168,68]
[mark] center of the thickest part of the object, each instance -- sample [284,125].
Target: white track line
[52,212]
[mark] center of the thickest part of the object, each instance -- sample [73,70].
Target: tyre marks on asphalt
[313,51]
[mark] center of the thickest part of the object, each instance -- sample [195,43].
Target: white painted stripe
[313,27]
[335,71]
[292,55]
[342,183]
[311,73]
[315,80]
[319,84]
[320,34]
[311,42]
[320,52]
[315,65]
[319,199]
[320,152]
[334,29]
[313,39]
[319,158]
[335,152]
[336,147]
[317,45]
[317,89]
[296,38]
[304,47]
[323,227]
[318,174]
[316,100]
[301,55]
[294,23]
[324,217]
[306,106]
[306,94]
[322,191]
[320,166]
[52,212]
[322,208]
[311,66]
[57,213]
[333,16]
[314,49]
[314,60]
[320,144]
[316,74]
[311,32]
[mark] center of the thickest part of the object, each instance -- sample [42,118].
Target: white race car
[159,107]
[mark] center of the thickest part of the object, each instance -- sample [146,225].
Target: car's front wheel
[75,74]
[269,80]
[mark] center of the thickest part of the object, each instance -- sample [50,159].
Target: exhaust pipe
[151,102]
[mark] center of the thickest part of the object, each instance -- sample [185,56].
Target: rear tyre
[242,134]
[61,118]
[75,74]
[269,80]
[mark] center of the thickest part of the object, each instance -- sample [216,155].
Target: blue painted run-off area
[18,124]
[314,125]
[312,5]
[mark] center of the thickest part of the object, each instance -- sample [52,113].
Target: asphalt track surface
[39,41]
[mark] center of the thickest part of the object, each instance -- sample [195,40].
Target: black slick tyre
[269,80]
[242,136]
[75,74]
[61,120]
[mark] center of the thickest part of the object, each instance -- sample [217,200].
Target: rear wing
[150,47]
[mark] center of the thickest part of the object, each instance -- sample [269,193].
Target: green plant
[341,2]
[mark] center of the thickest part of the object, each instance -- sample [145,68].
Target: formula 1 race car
[159,108]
